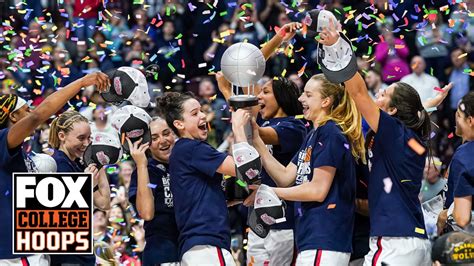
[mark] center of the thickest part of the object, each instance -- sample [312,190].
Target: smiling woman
[196,170]
[70,135]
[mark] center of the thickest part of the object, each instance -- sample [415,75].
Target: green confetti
[223,14]
[347,8]
[359,26]
[179,36]
[11,56]
[241,183]
[369,52]
[28,52]
[171,67]
[168,11]
[337,11]
[241,14]
[431,71]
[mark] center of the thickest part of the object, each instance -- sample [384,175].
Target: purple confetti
[152,186]
[346,146]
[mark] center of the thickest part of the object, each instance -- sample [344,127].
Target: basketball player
[17,122]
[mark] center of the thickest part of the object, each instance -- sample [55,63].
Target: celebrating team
[314,169]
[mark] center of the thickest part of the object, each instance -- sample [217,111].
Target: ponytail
[345,114]
[53,134]
[410,110]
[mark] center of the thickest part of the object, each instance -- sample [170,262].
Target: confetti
[331,206]
[419,230]
[152,186]
[387,182]
[451,135]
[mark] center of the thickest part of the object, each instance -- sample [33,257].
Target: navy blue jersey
[199,201]
[360,238]
[164,222]
[464,181]
[291,134]
[66,165]
[396,172]
[11,160]
[326,225]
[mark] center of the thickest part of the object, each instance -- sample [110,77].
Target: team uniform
[161,233]
[360,237]
[461,170]
[199,203]
[324,229]
[66,165]
[465,182]
[397,227]
[11,161]
[277,247]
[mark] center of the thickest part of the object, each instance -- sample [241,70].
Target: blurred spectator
[297,80]
[432,39]
[462,82]
[218,108]
[125,174]
[391,53]
[100,226]
[100,122]
[85,15]
[221,40]
[463,25]
[433,183]
[373,79]
[423,83]
[170,52]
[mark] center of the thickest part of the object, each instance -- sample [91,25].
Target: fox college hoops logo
[52,213]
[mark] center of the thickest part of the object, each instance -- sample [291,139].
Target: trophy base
[242,101]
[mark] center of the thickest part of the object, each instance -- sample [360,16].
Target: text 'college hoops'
[52,213]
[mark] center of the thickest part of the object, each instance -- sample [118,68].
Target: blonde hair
[104,254]
[64,122]
[345,114]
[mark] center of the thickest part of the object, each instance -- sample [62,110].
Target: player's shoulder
[330,130]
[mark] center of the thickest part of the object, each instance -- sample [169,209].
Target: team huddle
[308,149]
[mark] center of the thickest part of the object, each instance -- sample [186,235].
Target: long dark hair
[170,106]
[410,110]
[466,105]
[286,94]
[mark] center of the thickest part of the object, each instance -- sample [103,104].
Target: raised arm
[52,104]
[439,98]
[286,33]
[102,195]
[283,176]
[145,200]
[358,91]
